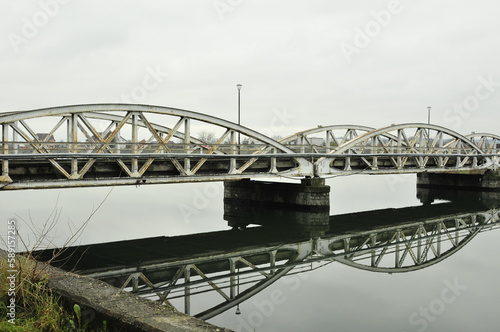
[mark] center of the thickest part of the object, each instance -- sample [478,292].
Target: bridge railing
[377,149]
[22,147]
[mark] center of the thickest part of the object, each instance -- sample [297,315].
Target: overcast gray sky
[319,62]
[316,62]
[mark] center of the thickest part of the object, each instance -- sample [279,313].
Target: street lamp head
[428,108]
[239,86]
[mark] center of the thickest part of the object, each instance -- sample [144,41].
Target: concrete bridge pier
[305,205]
[487,181]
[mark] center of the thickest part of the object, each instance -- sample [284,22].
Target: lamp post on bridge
[428,122]
[239,116]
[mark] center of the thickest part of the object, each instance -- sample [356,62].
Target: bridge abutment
[489,181]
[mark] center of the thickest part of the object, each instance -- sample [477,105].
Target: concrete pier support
[304,206]
[489,181]
[309,195]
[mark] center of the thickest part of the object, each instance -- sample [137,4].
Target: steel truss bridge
[122,144]
[236,269]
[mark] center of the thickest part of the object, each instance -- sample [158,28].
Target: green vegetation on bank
[37,308]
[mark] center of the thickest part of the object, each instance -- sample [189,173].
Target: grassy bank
[37,308]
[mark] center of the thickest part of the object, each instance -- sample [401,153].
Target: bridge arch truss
[404,148]
[489,143]
[331,137]
[136,144]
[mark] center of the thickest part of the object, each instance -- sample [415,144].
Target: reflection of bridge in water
[238,263]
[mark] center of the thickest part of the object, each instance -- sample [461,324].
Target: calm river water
[459,293]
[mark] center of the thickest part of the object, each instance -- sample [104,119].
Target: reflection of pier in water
[237,264]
